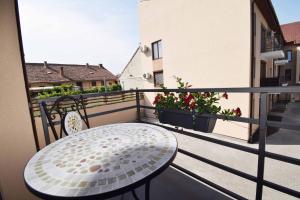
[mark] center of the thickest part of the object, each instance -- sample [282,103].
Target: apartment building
[289,72]
[84,76]
[230,43]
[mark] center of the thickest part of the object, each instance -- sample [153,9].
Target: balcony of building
[207,165]
[271,46]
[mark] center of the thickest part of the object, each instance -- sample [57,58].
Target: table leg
[147,190]
[134,195]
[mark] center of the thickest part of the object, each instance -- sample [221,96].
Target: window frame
[287,55]
[93,83]
[155,46]
[154,79]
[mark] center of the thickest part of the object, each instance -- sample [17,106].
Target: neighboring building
[289,73]
[232,43]
[132,76]
[83,76]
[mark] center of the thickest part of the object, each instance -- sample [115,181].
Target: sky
[80,31]
[287,10]
[94,31]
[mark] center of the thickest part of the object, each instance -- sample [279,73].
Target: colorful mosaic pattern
[100,160]
[73,122]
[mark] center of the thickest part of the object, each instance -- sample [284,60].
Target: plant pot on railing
[184,120]
[204,124]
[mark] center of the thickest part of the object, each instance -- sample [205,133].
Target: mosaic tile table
[101,162]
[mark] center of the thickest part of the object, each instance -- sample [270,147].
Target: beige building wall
[17,142]
[207,43]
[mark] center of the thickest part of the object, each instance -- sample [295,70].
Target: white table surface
[100,160]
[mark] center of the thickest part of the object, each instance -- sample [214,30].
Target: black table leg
[134,195]
[147,190]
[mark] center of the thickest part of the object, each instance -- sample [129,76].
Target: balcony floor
[173,184]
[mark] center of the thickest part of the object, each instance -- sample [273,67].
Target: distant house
[290,72]
[132,76]
[53,74]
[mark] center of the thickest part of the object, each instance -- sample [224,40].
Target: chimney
[45,64]
[87,64]
[61,71]
[101,66]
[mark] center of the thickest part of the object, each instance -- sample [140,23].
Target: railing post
[262,144]
[45,124]
[138,108]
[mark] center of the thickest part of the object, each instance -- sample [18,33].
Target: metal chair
[71,112]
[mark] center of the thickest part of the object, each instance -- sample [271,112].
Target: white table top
[100,160]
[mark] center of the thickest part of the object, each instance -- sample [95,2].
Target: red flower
[237,112]
[157,99]
[188,98]
[225,95]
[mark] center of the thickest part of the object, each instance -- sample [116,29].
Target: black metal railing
[261,152]
[271,43]
[269,82]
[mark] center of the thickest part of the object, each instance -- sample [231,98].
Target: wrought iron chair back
[61,107]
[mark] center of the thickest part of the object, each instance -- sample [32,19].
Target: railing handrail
[269,90]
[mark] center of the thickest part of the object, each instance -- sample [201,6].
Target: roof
[59,73]
[291,32]
[136,51]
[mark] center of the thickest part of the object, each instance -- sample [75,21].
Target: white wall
[132,75]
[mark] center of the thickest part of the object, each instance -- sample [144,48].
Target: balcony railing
[269,82]
[271,43]
[261,152]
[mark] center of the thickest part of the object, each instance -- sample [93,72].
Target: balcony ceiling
[281,62]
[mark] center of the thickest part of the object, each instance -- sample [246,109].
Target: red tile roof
[51,73]
[291,32]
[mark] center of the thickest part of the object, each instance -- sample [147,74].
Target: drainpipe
[252,71]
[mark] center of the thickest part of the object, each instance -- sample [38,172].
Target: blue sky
[94,31]
[287,10]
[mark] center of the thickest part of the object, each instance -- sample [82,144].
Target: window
[156,50]
[79,84]
[94,83]
[288,55]
[288,74]
[158,78]
[102,82]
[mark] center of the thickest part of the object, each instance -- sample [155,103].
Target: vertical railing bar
[262,144]
[45,124]
[138,108]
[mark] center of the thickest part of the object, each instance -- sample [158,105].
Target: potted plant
[186,109]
